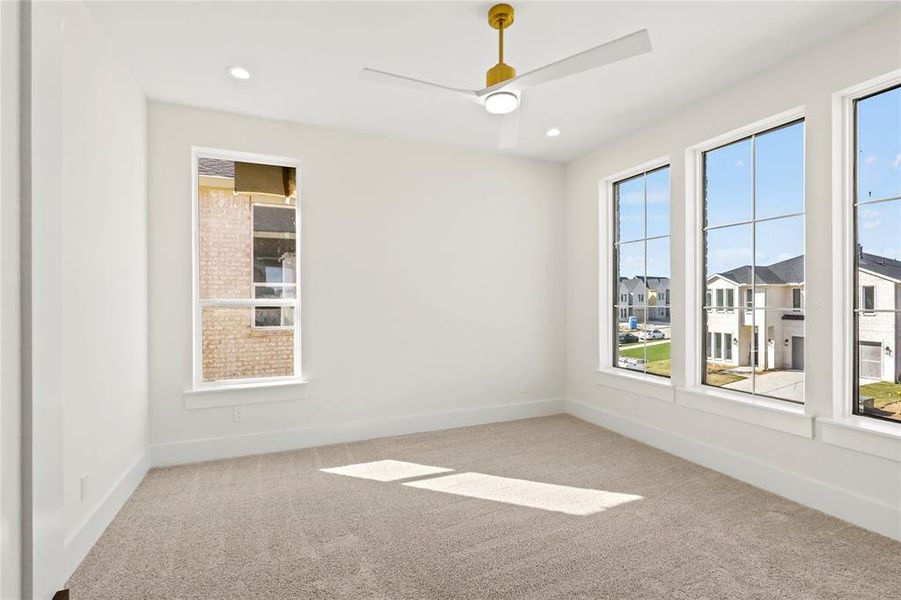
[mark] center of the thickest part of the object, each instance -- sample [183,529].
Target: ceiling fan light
[501,103]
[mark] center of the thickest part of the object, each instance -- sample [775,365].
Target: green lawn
[882,392]
[655,353]
[658,356]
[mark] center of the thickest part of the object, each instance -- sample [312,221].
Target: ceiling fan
[503,90]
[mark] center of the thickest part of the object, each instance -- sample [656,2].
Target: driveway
[782,384]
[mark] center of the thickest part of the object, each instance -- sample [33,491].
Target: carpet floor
[540,508]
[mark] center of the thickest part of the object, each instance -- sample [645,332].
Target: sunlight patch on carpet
[386,470]
[522,492]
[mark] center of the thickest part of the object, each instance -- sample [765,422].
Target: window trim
[848,301]
[607,276]
[198,304]
[752,134]
[693,344]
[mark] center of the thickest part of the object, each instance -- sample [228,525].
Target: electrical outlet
[84,487]
[239,414]
[524,387]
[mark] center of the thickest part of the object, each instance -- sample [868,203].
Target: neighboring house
[247,250]
[633,293]
[879,288]
[778,323]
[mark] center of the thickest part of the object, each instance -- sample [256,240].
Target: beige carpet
[275,526]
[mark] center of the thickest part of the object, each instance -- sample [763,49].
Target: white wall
[809,80]
[104,280]
[10,412]
[431,282]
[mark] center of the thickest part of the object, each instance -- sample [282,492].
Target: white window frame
[198,385]
[844,427]
[662,387]
[283,285]
[693,344]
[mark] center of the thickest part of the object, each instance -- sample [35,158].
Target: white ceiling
[306,56]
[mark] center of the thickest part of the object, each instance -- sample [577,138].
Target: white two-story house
[777,322]
[634,293]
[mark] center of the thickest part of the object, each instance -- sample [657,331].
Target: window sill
[241,394]
[772,414]
[651,386]
[863,435]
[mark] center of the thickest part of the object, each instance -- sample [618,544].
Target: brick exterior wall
[232,347]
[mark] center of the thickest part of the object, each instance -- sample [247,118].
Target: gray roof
[215,167]
[880,265]
[792,270]
[780,273]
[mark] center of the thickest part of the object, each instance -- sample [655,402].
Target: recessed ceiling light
[552,132]
[238,72]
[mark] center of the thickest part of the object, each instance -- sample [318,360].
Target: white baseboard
[89,531]
[200,450]
[848,506]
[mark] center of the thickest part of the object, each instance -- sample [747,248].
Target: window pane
[283,291]
[659,261]
[780,356]
[630,269]
[224,237]
[274,260]
[878,365]
[879,232]
[728,254]
[274,219]
[779,171]
[630,349]
[779,264]
[233,348]
[878,157]
[728,184]
[658,202]
[630,209]
[723,368]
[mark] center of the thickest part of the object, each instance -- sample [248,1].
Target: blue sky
[777,190]
[879,173]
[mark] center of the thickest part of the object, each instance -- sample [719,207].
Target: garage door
[870,354]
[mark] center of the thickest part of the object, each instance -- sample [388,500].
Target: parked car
[627,338]
[650,334]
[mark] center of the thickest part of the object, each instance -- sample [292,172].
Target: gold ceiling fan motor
[500,16]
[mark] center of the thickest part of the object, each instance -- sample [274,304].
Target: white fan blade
[402,80]
[509,130]
[610,52]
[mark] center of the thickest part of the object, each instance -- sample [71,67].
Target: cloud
[897,162]
[871,224]
[870,159]
[739,163]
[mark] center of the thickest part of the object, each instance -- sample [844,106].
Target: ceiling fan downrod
[500,16]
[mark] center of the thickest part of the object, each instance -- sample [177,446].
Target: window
[709,345]
[877,256]
[796,298]
[246,294]
[274,269]
[754,239]
[868,297]
[641,255]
